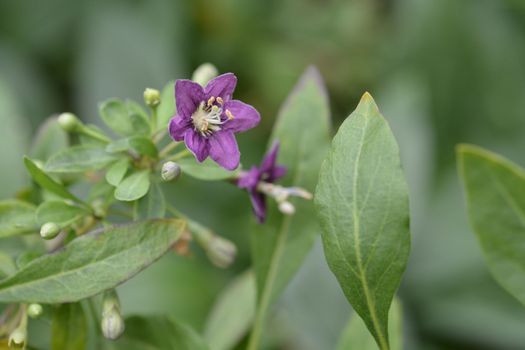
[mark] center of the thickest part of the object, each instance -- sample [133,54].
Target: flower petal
[259,205]
[224,150]
[188,95]
[270,158]
[249,179]
[277,172]
[221,86]
[178,126]
[244,116]
[197,144]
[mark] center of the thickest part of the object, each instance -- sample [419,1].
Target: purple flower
[207,119]
[267,173]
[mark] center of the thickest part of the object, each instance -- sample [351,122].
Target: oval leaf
[16,217]
[59,212]
[69,327]
[78,159]
[133,187]
[207,170]
[362,202]
[117,171]
[50,138]
[495,195]
[92,263]
[152,205]
[114,113]
[280,245]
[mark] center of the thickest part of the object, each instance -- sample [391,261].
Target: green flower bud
[69,122]
[35,310]
[220,251]
[152,97]
[49,230]
[204,73]
[18,338]
[170,171]
[112,323]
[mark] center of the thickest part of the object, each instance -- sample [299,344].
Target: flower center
[207,117]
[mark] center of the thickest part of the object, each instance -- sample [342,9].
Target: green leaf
[117,171]
[157,333]
[152,205]
[167,109]
[16,217]
[357,336]
[362,203]
[79,158]
[124,118]
[232,314]
[7,265]
[280,245]
[114,113]
[59,212]
[46,182]
[133,187]
[495,195]
[69,327]
[50,138]
[92,263]
[207,170]
[140,144]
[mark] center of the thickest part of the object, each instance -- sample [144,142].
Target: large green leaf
[280,246]
[157,333]
[124,118]
[78,159]
[356,335]
[133,187]
[69,327]
[232,314]
[16,217]
[46,182]
[208,170]
[140,144]
[362,202]
[495,194]
[92,263]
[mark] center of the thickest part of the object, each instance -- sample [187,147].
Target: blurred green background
[442,72]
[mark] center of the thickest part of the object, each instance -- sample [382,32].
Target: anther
[229,114]
[220,101]
[211,100]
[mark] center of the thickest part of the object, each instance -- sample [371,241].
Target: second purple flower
[207,119]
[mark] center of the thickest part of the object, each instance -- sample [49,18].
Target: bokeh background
[442,72]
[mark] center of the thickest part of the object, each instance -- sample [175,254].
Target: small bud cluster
[281,195]
[112,323]
[49,230]
[170,171]
[152,97]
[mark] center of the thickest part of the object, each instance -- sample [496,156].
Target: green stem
[180,155]
[93,134]
[153,120]
[166,150]
[202,234]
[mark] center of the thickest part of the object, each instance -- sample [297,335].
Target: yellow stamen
[220,101]
[229,114]
[211,100]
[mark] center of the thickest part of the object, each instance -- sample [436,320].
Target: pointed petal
[178,126]
[277,172]
[221,86]
[249,179]
[197,144]
[244,116]
[270,158]
[224,150]
[259,205]
[188,95]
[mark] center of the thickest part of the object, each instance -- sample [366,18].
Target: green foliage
[133,187]
[79,158]
[233,313]
[280,245]
[16,217]
[69,327]
[124,118]
[117,171]
[140,144]
[50,138]
[167,109]
[495,195]
[47,183]
[362,202]
[356,334]
[59,212]
[152,205]
[159,333]
[81,270]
